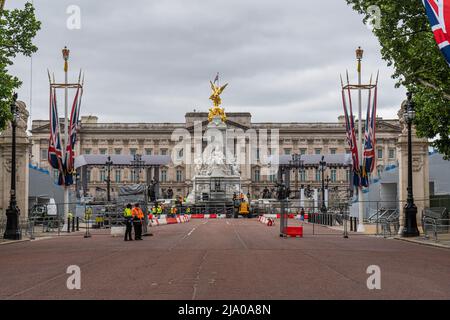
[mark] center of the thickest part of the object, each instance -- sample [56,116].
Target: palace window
[302,151]
[118,175]
[44,154]
[333,175]
[273,178]
[348,174]
[380,153]
[318,151]
[257,175]
[118,151]
[163,152]
[133,151]
[179,176]
[148,151]
[102,151]
[333,151]
[87,151]
[318,175]
[88,175]
[391,153]
[302,175]
[287,151]
[102,175]
[163,175]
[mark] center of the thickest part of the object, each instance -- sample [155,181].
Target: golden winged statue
[215,97]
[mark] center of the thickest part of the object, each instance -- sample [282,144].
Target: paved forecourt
[223,259]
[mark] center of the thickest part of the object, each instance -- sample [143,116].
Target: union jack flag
[70,148]
[351,138]
[438,12]
[369,138]
[54,146]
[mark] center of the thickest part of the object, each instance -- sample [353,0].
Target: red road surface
[223,259]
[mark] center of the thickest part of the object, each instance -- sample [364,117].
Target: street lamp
[12,231]
[108,164]
[359,55]
[322,165]
[410,209]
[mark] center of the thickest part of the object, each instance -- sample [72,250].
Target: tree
[18,27]
[407,43]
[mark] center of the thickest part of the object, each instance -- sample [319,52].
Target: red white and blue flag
[72,133]
[438,12]
[54,147]
[351,138]
[369,137]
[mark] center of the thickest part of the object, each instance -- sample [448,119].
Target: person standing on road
[128,222]
[138,217]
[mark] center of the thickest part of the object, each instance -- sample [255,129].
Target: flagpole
[65,53]
[359,55]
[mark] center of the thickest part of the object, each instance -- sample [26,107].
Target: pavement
[224,259]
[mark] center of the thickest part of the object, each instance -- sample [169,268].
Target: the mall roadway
[224,259]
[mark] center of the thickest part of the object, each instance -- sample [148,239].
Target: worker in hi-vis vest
[128,222]
[138,217]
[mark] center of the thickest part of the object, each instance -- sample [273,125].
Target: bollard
[68,224]
[351,223]
[78,223]
[356,223]
[73,224]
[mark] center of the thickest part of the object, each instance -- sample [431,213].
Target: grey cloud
[152,60]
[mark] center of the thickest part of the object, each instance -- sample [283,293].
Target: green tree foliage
[407,44]
[17,30]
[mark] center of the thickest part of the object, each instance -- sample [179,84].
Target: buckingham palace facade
[319,138]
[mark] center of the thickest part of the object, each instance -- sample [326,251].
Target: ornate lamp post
[108,164]
[322,165]
[410,209]
[359,55]
[12,231]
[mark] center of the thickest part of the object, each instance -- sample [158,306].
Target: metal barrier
[436,226]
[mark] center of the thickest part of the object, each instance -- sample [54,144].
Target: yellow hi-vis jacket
[127,213]
[243,208]
[159,210]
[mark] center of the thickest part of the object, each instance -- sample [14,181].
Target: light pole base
[361,228]
[12,231]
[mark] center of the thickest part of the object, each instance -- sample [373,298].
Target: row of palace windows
[118,175]
[165,151]
[132,151]
[303,175]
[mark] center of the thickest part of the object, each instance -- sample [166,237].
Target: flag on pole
[351,137]
[72,133]
[370,141]
[54,146]
[438,12]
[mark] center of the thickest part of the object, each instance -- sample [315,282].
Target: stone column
[22,160]
[302,197]
[420,163]
[316,199]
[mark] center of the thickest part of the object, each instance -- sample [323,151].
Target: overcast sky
[151,61]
